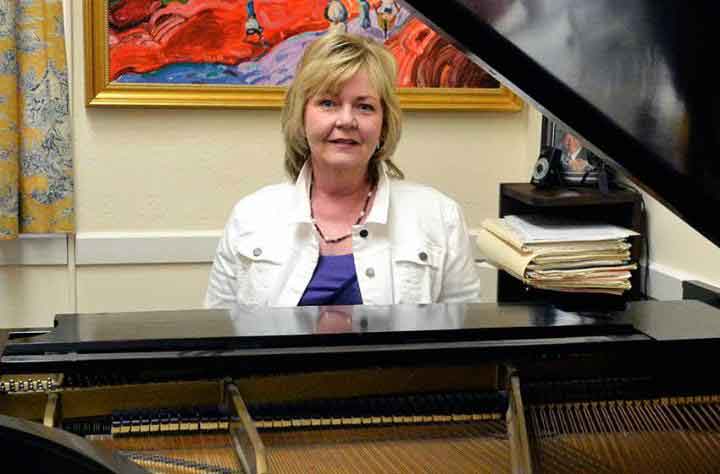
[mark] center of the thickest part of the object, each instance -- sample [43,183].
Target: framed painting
[243,53]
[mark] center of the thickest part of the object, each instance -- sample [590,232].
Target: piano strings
[438,432]
[478,447]
[178,454]
[664,435]
[473,419]
[403,434]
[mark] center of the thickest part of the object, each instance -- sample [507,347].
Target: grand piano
[427,388]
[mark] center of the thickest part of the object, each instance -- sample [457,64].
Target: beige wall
[183,169]
[677,249]
[31,295]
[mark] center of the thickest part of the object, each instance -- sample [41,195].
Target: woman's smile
[344,143]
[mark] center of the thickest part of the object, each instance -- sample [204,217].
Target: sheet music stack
[560,254]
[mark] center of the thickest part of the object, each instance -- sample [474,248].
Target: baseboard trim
[125,248]
[128,248]
[666,284]
[34,249]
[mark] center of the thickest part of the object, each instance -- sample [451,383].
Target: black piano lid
[256,328]
[346,329]
[629,77]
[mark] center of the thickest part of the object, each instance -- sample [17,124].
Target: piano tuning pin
[31,385]
[2,387]
[11,385]
[21,386]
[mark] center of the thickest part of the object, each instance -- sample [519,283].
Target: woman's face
[343,130]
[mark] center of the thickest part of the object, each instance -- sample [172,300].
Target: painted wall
[678,250]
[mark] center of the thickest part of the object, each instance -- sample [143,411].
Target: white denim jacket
[412,248]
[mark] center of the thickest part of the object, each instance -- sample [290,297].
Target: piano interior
[495,388]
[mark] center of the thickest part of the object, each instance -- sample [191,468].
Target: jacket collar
[301,194]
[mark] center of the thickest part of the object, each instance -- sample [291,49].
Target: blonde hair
[326,65]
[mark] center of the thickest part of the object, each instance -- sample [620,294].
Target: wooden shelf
[619,207]
[564,197]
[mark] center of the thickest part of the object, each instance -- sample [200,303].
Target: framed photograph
[580,166]
[243,53]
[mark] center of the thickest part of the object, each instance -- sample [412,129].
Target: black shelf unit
[621,207]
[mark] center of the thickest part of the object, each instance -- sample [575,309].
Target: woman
[346,229]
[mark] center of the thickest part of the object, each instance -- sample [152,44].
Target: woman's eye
[326,103]
[367,107]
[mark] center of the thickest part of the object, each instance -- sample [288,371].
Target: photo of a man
[574,157]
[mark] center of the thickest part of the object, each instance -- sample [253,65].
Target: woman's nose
[346,118]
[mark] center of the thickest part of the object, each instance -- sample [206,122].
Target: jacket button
[422,256]
[364,233]
[257,251]
[370,272]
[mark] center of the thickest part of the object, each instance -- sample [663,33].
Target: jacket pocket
[259,262]
[417,273]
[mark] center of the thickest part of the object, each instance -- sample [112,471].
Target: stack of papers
[560,254]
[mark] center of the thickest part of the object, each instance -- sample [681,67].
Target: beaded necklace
[339,239]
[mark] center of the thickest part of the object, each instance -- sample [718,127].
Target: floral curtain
[36,187]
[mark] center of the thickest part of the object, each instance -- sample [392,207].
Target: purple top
[333,282]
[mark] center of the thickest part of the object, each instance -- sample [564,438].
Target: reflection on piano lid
[407,330]
[257,331]
[627,77]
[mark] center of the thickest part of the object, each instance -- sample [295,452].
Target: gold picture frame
[101,92]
